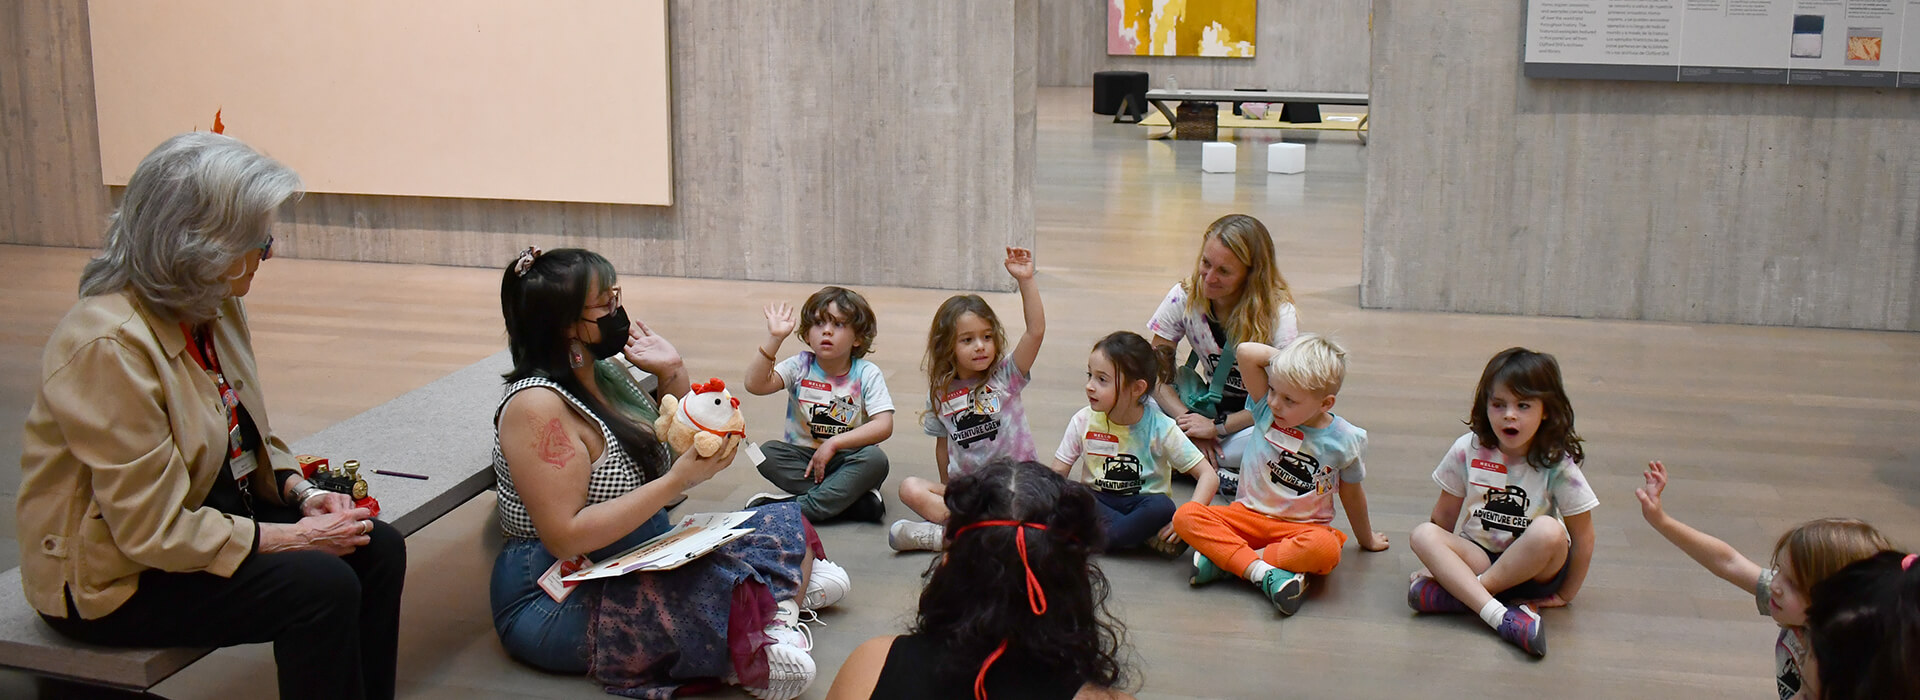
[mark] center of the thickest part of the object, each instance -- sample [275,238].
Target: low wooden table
[1160,98]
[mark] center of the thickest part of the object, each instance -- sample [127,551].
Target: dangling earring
[576,354]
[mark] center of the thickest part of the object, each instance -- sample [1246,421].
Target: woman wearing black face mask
[581,474]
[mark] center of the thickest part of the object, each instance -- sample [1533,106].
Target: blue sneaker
[1204,571]
[1522,627]
[1285,588]
[1428,596]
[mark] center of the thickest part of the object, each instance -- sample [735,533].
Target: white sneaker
[790,668]
[828,585]
[907,536]
[761,499]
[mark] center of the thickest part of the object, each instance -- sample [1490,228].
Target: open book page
[695,536]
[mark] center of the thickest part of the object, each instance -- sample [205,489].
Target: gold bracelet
[768,355]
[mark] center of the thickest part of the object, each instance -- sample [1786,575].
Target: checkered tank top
[614,474]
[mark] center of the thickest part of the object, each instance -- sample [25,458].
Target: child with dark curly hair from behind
[1016,608]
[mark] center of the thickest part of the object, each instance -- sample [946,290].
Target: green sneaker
[1204,571]
[1285,588]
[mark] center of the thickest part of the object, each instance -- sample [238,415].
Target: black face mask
[613,334]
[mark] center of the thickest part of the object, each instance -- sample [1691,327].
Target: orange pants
[1228,535]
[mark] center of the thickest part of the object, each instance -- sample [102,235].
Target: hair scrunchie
[525,261]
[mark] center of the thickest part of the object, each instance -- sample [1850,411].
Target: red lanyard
[201,347]
[203,352]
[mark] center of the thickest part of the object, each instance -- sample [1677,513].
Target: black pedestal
[1112,86]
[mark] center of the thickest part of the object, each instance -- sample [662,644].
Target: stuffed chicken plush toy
[702,420]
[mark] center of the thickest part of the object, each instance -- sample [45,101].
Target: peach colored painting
[559,100]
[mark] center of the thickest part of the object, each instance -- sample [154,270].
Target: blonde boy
[1280,527]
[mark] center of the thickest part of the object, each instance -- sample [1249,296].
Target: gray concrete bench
[443,431]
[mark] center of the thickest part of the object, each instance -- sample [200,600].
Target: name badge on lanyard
[240,461]
[242,465]
[1287,439]
[1486,474]
[1101,444]
[815,391]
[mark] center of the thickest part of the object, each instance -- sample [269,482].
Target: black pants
[334,621]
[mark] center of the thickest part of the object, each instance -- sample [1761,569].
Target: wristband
[768,355]
[304,491]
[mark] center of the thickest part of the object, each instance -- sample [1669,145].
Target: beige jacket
[121,447]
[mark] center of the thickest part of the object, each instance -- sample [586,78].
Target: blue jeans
[539,632]
[1129,520]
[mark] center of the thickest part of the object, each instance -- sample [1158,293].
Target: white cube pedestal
[1216,157]
[1286,158]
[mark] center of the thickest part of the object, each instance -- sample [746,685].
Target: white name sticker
[815,391]
[955,401]
[1287,439]
[1102,444]
[1486,474]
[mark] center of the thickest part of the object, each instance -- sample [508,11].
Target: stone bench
[443,430]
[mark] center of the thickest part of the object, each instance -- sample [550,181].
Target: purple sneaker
[1522,627]
[1428,596]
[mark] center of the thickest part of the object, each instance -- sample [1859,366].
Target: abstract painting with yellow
[1222,28]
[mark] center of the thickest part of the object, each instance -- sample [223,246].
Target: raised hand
[1020,263]
[650,351]
[1649,495]
[780,320]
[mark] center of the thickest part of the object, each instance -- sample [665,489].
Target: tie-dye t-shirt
[1127,459]
[982,424]
[1175,321]
[1502,499]
[1292,473]
[820,407]
[1789,649]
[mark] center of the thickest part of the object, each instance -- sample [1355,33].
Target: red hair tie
[1907,563]
[1036,596]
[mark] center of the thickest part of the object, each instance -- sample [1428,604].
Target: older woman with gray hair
[157,507]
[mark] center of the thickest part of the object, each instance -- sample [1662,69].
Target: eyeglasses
[266,249]
[613,302]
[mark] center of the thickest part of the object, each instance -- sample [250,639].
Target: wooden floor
[1763,427]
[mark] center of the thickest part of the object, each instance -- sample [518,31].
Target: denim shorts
[533,628]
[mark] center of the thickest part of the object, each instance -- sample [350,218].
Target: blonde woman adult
[1236,293]
[157,507]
